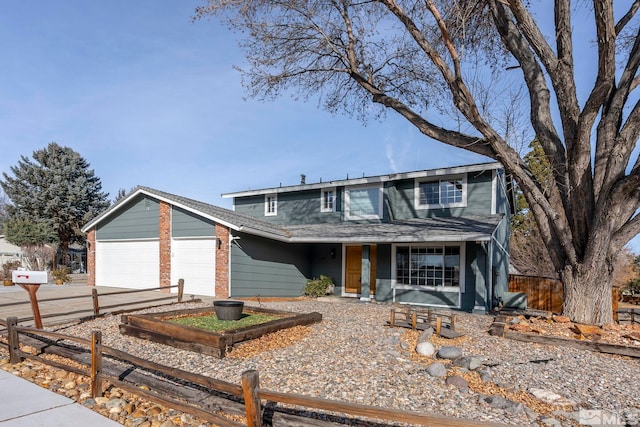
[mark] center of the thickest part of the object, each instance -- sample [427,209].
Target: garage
[128,264]
[194,261]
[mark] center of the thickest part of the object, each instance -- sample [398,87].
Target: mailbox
[29,277]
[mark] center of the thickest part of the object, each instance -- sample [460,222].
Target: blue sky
[149,97]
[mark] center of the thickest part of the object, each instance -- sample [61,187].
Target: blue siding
[400,197]
[427,297]
[268,268]
[138,219]
[300,207]
[187,224]
[322,263]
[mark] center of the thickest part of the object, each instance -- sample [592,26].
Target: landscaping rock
[470,363]
[425,335]
[437,370]
[457,381]
[449,352]
[425,349]
[504,403]
[550,397]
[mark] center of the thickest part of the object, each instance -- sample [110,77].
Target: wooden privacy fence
[95,308]
[249,393]
[542,293]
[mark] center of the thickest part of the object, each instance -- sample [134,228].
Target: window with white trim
[432,266]
[270,204]
[444,193]
[363,202]
[328,200]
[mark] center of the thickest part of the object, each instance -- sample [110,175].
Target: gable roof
[226,217]
[477,228]
[456,170]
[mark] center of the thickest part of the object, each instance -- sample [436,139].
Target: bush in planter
[7,269]
[319,287]
[60,275]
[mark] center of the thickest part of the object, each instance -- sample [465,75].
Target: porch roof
[452,229]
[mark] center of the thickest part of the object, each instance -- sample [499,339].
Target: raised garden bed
[159,328]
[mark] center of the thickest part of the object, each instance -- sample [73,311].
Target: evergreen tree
[56,189]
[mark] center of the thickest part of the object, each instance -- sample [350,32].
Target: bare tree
[427,59]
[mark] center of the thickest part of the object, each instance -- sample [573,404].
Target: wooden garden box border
[156,327]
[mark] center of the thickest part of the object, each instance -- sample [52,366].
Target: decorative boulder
[425,335]
[457,381]
[469,362]
[437,370]
[425,349]
[449,352]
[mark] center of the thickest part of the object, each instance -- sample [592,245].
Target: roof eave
[455,170]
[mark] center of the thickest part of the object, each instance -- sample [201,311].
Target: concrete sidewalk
[24,404]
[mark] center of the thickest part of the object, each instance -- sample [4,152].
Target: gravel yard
[353,356]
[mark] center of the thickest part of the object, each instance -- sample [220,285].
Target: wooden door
[353,269]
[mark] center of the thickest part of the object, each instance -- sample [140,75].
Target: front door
[353,269]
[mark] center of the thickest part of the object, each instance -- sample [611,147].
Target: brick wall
[165,244]
[91,257]
[222,262]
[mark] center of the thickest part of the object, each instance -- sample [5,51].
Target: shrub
[632,287]
[8,267]
[319,287]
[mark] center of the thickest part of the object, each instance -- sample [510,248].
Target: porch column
[365,284]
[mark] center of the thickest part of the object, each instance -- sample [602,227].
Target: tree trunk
[587,292]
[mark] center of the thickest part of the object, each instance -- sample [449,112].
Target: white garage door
[194,260]
[128,264]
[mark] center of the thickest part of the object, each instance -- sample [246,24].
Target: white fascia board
[456,170]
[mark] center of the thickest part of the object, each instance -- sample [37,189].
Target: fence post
[14,342]
[96,364]
[250,382]
[96,305]
[180,289]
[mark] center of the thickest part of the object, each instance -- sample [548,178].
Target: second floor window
[328,201]
[363,202]
[443,193]
[271,204]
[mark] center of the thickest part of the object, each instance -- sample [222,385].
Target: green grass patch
[211,322]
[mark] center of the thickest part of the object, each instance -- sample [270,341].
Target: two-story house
[434,237]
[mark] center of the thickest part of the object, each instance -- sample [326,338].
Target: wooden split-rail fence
[106,366]
[95,309]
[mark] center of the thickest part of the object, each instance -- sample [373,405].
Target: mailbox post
[30,281]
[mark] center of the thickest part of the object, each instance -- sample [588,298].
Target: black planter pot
[228,309]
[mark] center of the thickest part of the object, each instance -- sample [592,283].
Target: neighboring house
[9,252]
[436,237]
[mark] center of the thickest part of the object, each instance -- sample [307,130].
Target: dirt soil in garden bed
[561,327]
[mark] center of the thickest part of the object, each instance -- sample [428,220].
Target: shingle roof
[416,230]
[475,228]
[217,214]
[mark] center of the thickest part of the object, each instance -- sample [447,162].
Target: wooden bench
[418,318]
